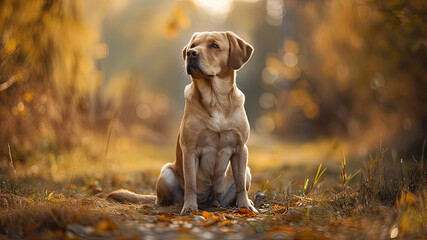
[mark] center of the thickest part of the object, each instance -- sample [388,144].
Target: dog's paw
[251,207]
[188,209]
[246,203]
[215,203]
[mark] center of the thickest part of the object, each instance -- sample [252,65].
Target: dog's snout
[192,53]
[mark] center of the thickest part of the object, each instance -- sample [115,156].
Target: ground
[63,196]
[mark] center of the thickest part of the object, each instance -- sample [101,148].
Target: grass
[309,187]
[65,196]
[346,178]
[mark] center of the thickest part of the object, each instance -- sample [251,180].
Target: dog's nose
[192,53]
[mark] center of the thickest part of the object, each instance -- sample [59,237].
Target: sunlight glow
[216,8]
[275,12]
[290,59]
[264,124]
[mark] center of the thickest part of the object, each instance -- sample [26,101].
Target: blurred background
[107,77]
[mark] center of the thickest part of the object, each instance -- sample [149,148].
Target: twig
[11,162]
[8,83]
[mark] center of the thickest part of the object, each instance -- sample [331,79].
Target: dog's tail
[123,195]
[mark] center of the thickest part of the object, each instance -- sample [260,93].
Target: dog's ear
[184,52]
[185,49]
[240,51]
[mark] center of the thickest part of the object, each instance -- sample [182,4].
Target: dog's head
[211,54]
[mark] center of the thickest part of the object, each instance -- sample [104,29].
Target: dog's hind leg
[169,190]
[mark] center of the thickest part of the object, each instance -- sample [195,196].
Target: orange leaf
[207,215]
[183,219]
[163,219]
[213,218]
[225,223]
[246,212]
[166,214]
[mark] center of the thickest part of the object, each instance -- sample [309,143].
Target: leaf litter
[88,215]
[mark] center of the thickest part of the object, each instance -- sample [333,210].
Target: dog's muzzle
[193,60]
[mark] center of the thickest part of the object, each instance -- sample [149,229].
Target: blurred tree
[47,71]
[349,66]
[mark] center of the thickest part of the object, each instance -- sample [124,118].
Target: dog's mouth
[194,69]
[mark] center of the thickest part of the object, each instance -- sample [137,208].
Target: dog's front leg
[190,181]
[239,164]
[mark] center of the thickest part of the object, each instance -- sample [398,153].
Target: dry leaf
[163,219]
[225,223]
[244,212]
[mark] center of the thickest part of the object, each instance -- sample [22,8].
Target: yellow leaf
[49,197]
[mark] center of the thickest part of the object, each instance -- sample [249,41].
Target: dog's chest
[215,150]
[218,121]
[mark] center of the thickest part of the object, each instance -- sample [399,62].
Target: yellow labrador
[211,166]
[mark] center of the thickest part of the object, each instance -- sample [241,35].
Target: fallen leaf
[206,214]
[275,207]
[244,212]
[166,214]
[163,219]
[225,223]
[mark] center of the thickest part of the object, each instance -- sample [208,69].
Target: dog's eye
[214,45]
[192,45]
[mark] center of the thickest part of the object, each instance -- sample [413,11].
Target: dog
[211,167]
